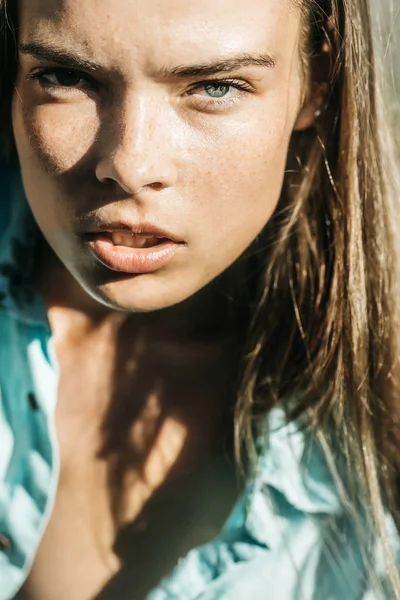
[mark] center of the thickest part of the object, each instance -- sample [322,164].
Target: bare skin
[148,362]
[144,426]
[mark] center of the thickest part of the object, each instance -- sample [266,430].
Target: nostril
[156,186]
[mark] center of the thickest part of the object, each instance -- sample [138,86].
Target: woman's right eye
[62,78]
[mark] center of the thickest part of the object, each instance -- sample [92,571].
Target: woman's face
[153,134]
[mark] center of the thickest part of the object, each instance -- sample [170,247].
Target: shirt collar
[19,235]
[292,471]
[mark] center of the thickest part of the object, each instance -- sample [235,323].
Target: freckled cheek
[241,176]
[55,140]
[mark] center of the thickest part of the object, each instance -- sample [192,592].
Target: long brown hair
[325,321]
[324,315]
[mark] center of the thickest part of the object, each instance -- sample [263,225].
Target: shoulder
[18,238]
[280,537]
[11,190]
[292,462]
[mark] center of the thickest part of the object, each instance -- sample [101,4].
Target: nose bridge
[137,128]
[136,149]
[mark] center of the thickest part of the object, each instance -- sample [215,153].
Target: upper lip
[134,228]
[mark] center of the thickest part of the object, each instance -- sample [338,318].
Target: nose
[136,149]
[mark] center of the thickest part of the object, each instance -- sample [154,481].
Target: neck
[214,313]
[186,358]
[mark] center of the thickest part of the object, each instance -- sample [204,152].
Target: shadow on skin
[181,513]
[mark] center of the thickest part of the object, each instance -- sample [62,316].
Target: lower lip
[133,260]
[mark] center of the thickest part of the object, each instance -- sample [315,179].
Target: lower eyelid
[209,104]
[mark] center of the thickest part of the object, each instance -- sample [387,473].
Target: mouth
[134,250]
[128,239]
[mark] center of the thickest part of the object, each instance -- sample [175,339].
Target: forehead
[179,30]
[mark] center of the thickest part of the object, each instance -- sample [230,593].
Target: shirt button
[5,543]
[33,403]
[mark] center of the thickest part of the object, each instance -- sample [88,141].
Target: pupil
[68,78]
[217,91]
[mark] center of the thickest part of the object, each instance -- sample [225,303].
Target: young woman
[197,280]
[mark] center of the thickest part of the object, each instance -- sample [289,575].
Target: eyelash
[40,75]
[241,86]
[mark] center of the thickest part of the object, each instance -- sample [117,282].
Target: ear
[311,109]
[318,87]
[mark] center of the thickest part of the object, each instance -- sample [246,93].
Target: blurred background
[386,14]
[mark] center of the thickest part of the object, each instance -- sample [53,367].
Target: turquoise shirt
[286,538]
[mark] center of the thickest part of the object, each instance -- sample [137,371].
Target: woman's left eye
[217,90]
[220,91]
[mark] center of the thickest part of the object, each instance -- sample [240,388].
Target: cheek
[53,138]
[241,176]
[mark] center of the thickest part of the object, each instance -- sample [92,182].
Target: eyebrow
[62,57]
[224,65]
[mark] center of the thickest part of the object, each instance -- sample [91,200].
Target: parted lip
[134,228]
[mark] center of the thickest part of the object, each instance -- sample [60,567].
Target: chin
[140,294]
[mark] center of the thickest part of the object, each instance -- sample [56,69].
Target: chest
[125,510]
